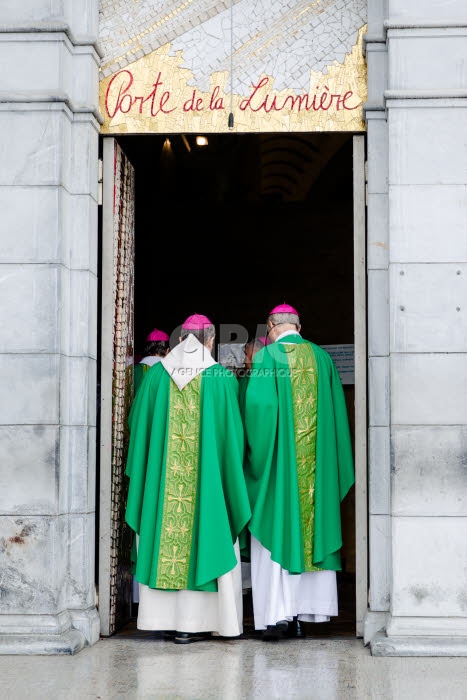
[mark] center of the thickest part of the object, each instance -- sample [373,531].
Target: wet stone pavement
[135,664]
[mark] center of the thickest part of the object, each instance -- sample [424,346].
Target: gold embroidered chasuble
[187,497]
[304,384]
[181,486]
[299,460]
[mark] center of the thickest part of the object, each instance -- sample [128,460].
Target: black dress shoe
[296,629]
[190,637]
[169,634]
[273,633]
[300,633]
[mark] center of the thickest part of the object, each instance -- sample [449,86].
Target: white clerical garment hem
[278,595]
[195,611]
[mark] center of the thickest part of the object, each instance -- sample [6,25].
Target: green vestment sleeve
[334,462]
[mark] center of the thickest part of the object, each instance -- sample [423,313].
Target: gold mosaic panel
[153,95]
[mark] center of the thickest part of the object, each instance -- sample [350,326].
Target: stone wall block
[75,379]
[29,326]
[429,389]
[376,17]
[378,313]
[83,16]
[378,232]
[427,59]
[378,390]
[30,389]
[430,471]
[31,142]
[428,223]
[41,68]
[432,10]
[79,313]
[92,467]
[426,145]
[379,492]
[76,477]
[79,233]
[429,307]
[92,318]
[32,564]
[92,389]
[47,563]
[84,77]
[429,556]
[377,156]
[11,11]
[81,158]
[30,224]
[377,70]
[51,66]
[28,473]
[79,577]
[379,531]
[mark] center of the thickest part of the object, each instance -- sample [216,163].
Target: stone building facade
[415,123]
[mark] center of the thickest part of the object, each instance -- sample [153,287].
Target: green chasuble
[187,497]
[242,385]
[299,461]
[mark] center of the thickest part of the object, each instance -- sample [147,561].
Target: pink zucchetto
[196,322]
[157,335]
[264,339]
[284,309]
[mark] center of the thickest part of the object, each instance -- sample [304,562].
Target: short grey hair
[204,334]
[276,319]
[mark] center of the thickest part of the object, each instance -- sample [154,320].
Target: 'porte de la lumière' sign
[237,65]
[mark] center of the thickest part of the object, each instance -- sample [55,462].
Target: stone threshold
[70,642]
[382,645]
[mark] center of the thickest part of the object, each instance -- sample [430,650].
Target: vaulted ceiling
[252,167]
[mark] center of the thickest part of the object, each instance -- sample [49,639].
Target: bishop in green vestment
[298,467]
[156,347]
[187,499]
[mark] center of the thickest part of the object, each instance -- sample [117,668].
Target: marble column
[49,128]
[419,558]
[379,504]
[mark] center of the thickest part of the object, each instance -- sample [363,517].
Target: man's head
[157,343]
[201,327]
[282,318]
[251,348]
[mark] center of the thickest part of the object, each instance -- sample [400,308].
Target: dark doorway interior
[248,221]
[231,229]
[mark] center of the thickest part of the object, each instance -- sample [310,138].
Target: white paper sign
[344,359]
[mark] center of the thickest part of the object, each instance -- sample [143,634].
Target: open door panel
[116,384]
